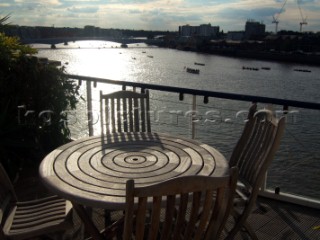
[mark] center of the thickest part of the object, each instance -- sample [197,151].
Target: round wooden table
[93,171]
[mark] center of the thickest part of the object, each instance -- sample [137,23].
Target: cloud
[5,2]
[132,1]
[245,14]
[82,1]
[41,2]
[305,1]
[83,9]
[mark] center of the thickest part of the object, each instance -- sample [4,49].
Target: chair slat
[177,194]
[125,111]
[129,209]
[29,219]
[141,218]
[35,220]
[136,115]
[113,115]
[131,109]
[142,116]
[118,114]
[125,115]
[167,224]
[221,205]
[155,218]
[181,216]
[147,112]
[253,155]
[193,215]
[206,210]
[23,214]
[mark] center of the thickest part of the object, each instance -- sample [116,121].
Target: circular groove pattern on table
[97,168]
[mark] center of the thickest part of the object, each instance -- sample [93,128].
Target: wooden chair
[206,217]
[125,111]
[253,155]
[28,219]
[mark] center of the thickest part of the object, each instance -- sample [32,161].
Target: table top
[93,171]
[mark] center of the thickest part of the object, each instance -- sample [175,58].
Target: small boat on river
[192,70]
[250,68]
[200,64]
[302,70]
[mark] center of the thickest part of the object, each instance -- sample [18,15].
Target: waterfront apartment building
[254,29]
[204,30]
[235,35]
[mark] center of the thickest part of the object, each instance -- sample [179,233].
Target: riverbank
[282,50]
[274,56]
[299,58]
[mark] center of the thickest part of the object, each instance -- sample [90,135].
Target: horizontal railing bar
[291,198]
[223,95]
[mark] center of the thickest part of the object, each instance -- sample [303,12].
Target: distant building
[254,30]
[187,31]
[235,35]
[204,30]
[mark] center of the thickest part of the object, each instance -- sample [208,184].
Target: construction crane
[276,18]
[303,19]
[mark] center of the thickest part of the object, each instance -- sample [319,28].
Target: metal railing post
[193,116]
[89,108]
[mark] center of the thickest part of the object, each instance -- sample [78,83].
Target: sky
[163,15]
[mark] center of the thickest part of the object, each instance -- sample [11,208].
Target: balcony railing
[217,119]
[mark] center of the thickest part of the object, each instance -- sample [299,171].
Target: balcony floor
[280,220]
[271,219]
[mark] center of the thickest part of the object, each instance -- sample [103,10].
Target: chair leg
[250,231]
[55,236]
[89,225]
[236,228]
[246,227]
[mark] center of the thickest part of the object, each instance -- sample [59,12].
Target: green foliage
[34,100]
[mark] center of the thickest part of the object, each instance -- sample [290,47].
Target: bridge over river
[53,41]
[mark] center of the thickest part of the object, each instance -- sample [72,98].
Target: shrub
[34,98]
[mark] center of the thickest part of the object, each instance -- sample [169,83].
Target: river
[140,63]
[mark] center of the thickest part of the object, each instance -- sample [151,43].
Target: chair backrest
[256,148]
[7,196]
[187,207]
[125,111]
